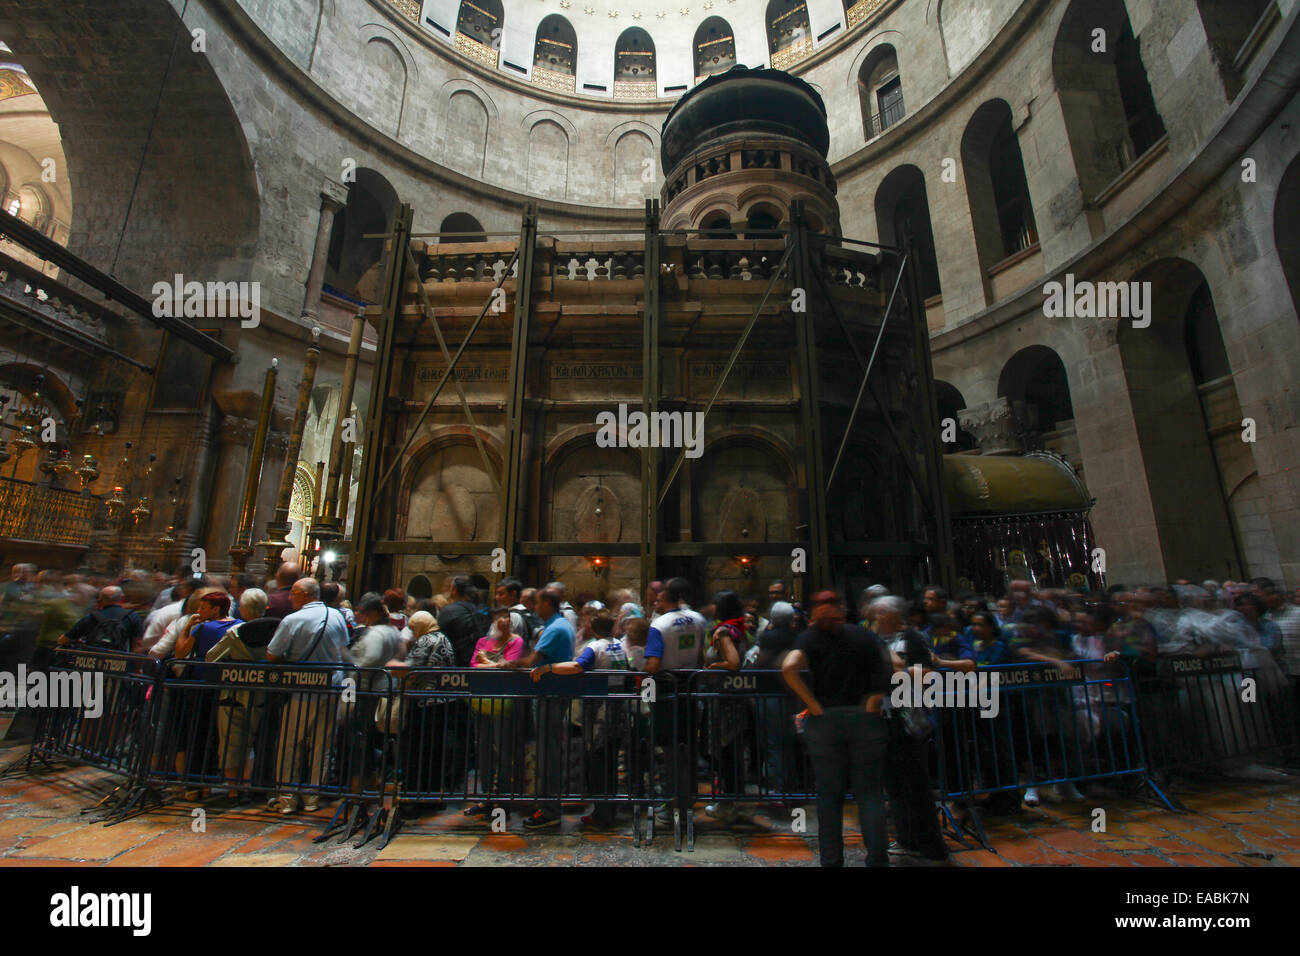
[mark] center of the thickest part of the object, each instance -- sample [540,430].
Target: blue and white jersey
[677,639]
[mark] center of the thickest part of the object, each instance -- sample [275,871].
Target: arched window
[634,65]
[761,222]
[419,588]
[370,210]
[1110,113]
[789,37]
[902,206]
[717,225]
[1234,30]
[997,187]
[1036,376]
[880,90]
[462,222]
[715,47]
[950,402]
[481,23]
[555,54]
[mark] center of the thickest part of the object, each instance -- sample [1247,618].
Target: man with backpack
[110,626]
[524,622]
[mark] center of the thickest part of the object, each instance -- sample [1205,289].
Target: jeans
[849,742]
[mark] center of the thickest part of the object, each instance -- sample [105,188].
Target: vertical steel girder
[650,397]
[512,491]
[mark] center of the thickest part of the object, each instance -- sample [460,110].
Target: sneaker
[1031,797]
[311,803]
[722,812]
[483,810]
[283,805]
[541,820]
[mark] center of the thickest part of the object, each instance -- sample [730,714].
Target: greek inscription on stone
[588,371]
[432,374]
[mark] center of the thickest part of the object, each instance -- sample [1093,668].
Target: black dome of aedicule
[739,100]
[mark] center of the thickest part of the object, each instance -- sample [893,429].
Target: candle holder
[87,473]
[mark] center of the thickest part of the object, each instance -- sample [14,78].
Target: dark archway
[715,47]
[902,205]
[996,186]
[1231,29]
[634,57]
[787,25]
[482,21]
[370,210]
[556,46]
[1286,229]
[1183,478]
[1110,113]
[950,401]
[1036,376]
[462,222]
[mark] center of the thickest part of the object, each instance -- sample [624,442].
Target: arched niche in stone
[1036,376]
[592,496]
[743,491]
[370,209]
[902,203]
[714,47]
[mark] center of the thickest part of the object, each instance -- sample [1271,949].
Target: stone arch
[21,377]
[950,401]
[465,133]
[1228,26]
[555,46]
[880,90]
[996,187]
[902,202]
[787,25]
[1177,452]
[384,102]
[713,47]
[462,222]
[548,159]
[1106,102]
[445,493]
[634,57]
[1036,376]
[1286,229]
[631,150]
[370,209]
[744,490]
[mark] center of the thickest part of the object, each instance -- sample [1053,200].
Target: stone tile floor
[1253,822]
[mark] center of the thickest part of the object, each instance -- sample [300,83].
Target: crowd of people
[839,671]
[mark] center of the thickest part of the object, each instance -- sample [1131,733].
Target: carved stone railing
[30,512]
[599,261]
[408,8]
[739,260]
[476,51]
[550,80]
[635,89]
[796,51]
[862,10]
[22,286]
[453,262]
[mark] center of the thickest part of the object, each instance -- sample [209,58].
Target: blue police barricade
[1199,712]
[1043,724]
[744,740]
[496,737]
[299,734]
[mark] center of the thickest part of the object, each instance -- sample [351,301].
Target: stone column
[235,437]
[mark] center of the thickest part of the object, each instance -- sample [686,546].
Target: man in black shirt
[461,622]
[844,729]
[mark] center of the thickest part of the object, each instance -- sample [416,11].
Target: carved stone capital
[1001,427]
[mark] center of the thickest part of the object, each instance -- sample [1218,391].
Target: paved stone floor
[1252,822]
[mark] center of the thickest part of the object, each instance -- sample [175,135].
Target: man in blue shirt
[554,646]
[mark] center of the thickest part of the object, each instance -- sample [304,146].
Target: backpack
[533,623]
[109,634]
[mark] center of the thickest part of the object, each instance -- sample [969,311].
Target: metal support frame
[944,567]
[650,385]
[512,492]
[394,273]
[810,415]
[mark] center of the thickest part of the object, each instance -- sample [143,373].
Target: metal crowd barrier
[744,742]
[1066,722]
[1198,710]
[371,737]
[297,732]
[495,736]
[116,739]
